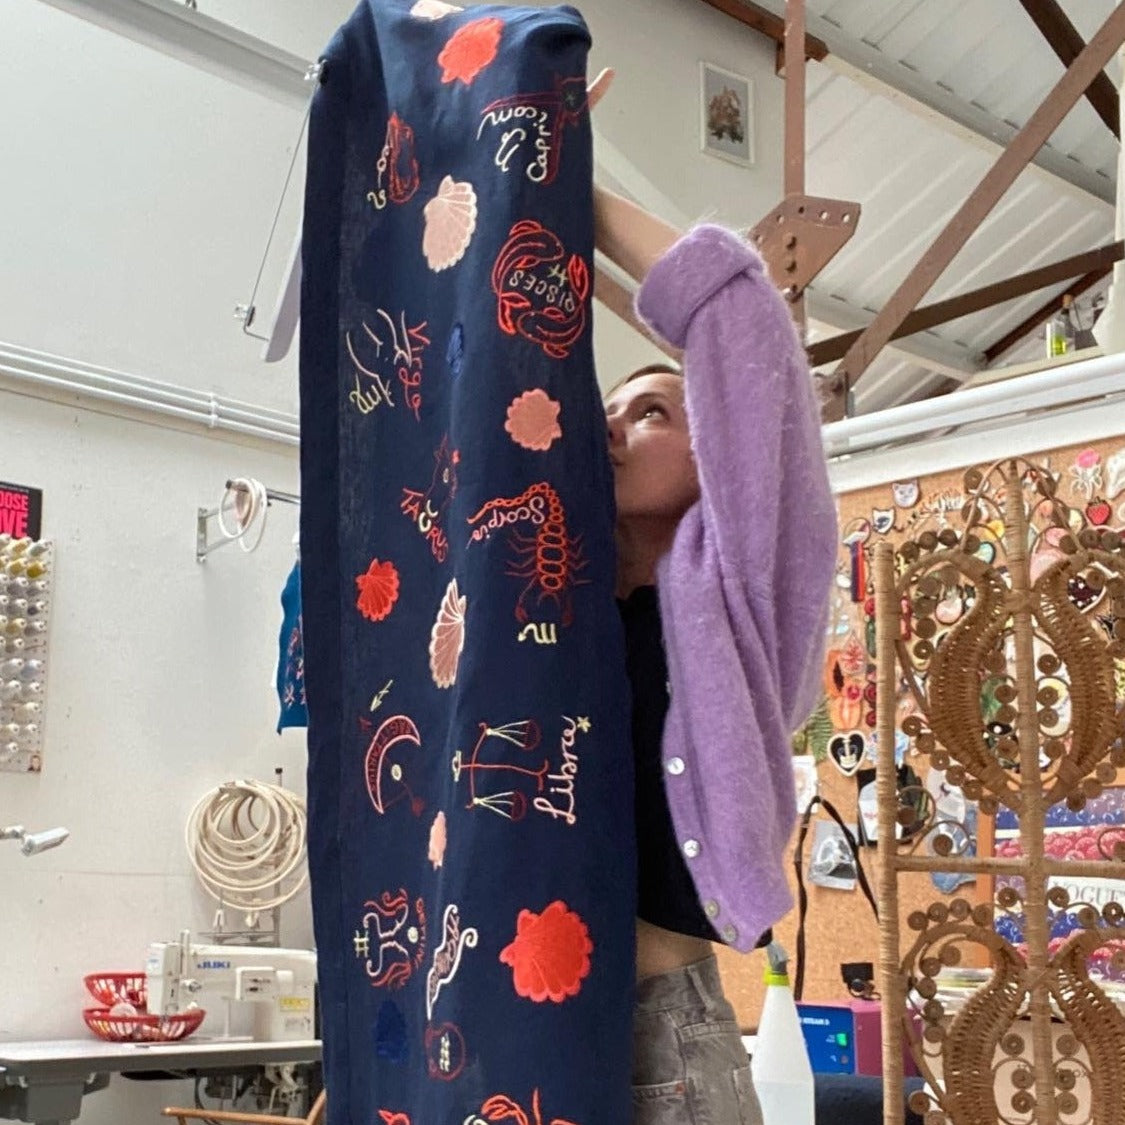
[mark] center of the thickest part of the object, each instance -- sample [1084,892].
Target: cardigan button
[675,766]
[711,908]
[691,848]
[730,934]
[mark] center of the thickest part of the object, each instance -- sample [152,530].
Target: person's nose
[615,430]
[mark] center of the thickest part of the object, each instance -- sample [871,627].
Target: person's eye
[652,409]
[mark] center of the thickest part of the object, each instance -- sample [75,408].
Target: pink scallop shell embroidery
[438,839]
[433,10]
[447,637]
[533,420]
[451,218]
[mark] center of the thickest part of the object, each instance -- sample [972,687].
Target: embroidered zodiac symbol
[405,357]
[445,1052]
[500,1107]
[425,509]
[397,157]
[399,933]
[511,803]
[399,728]
[550,559]
[546,115]
[447,956]
[537,299]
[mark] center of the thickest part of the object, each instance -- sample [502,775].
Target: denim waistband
[698,983]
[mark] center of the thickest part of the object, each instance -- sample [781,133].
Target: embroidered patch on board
[445,1051]
[391,1043]
[451,219]
[447,637]
[1086,473]
[541,292]
[847,751]
[435,852]
[882,520]
[531,126]
[470,49]
[447,956]
[550,560]
[533,420]
[500,1108]
[905,493]
[425,509]
[378,590]
[386,783]
[550,955]
[396,170]
[392,941]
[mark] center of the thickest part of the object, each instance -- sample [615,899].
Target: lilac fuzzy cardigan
[744,590]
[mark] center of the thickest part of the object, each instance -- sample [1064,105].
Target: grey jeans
[689,1064]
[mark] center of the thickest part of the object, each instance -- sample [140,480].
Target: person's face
[650,448]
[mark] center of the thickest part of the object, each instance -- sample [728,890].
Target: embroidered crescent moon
[398,728]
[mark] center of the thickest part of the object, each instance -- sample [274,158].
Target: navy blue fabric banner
[470,778]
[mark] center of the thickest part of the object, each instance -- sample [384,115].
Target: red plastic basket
[146,1027]
[112,988]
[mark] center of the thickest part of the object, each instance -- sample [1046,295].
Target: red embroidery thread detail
[550,956]
[510,803]
[500,1107]
[399,728]
[533,420]
[378,590]
[556,108]
[470,49]
[394,962]
[396,158]
[550,560]
[556,319]
[391,1118]
[425,509]
[445,1051]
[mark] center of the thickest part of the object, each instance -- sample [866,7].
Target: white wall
[137,194]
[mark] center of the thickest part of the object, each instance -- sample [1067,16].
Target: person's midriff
[660,951]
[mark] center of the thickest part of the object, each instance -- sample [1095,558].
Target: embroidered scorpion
[551,559]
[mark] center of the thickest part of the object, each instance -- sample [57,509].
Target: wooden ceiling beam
[771,26]
[976,300]
[1010,339]
[1066,42]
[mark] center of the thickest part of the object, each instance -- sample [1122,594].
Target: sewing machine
[279,983]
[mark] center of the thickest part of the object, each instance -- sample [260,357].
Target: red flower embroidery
[500,1107]
[470,50]
[378,590]
[550,955]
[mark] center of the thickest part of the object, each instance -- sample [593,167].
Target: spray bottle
[782,1075]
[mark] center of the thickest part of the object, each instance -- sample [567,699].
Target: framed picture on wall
[727,114]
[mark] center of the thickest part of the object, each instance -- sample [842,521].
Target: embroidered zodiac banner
[470,776]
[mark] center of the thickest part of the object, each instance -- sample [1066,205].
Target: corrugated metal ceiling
[895,117]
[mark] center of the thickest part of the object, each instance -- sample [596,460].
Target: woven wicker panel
[1020,702]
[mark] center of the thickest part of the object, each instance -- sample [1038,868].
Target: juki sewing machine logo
[209,964]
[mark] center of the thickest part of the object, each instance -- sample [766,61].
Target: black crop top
[666,895]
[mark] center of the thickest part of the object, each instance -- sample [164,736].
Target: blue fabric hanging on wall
[471,835]
[291,657]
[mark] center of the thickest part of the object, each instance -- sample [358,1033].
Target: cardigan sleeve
[766,505]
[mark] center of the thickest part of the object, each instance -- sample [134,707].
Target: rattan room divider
[1038,1039]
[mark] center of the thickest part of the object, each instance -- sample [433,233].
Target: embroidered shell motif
[378,590]
[451,218]
[550,956]
[438,839]
[470,49]
[533,420]
[433,10]
[447,637]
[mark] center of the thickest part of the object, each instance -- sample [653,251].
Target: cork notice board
[840,926]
